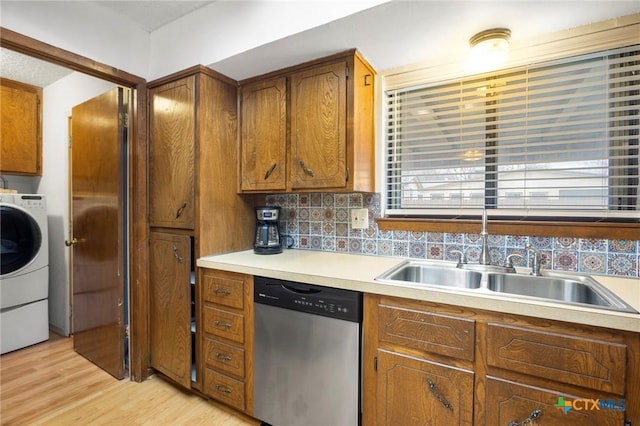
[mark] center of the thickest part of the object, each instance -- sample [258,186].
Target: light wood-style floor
[50,384]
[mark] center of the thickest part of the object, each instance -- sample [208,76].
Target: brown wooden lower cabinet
[227,338]
[431,364]
[509,402]
[413,391]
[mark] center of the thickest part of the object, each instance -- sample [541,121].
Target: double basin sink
[563,288]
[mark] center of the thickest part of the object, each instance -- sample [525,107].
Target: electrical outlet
[359,218]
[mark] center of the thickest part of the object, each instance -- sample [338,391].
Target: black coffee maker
[267,239]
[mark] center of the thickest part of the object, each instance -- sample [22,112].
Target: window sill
[604,230]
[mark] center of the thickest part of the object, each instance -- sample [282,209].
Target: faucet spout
[485,257]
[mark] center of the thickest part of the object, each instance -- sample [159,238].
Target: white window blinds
[558,138]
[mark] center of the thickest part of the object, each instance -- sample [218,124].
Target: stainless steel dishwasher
[307,354]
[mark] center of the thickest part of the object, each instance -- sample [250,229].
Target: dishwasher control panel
[310,298]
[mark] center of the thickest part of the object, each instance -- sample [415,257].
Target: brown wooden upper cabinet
[309,128]
[171,154]
[21,135]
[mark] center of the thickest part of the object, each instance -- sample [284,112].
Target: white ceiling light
[489,49]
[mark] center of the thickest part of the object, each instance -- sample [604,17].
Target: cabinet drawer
[224,389]
[224,324]
[427,331]
[223,357]
[227,291]
[585,362]
[508,401]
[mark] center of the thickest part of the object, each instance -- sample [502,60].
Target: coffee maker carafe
[267,239]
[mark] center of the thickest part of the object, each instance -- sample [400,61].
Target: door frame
[137,190]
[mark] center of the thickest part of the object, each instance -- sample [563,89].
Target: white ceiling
[151,15]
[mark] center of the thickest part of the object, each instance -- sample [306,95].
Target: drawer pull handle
[305,169]
[176,254]
[180,210]
[222,357]
[222,324]
[269,171]
[535,414]
[436,393]
[222,292]
[222,389]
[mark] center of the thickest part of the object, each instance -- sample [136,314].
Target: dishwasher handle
[299,290]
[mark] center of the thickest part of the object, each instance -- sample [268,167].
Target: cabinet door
[318,127]
[170,305]
[509,402]
[417,392]
[171,154]
[20,135]
[263,136]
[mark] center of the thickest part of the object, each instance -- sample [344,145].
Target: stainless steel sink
[555,287]
[575,290]
[422,273]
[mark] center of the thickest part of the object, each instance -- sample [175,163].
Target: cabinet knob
[222,324]
[222,389]
[180,210]
[305,169]
[436,393]
[535,414]
[269,171]
[176,254]
[223,357]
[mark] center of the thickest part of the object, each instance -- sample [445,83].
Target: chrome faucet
[485,257]
[536,261]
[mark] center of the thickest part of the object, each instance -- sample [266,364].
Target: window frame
[587,39]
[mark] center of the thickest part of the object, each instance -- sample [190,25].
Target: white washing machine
[24,277]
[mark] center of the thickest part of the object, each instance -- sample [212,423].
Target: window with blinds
[551,139]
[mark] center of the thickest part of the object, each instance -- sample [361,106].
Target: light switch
[359,218]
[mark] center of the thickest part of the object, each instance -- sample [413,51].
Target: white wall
[58,100]
[227,28]
[83,29]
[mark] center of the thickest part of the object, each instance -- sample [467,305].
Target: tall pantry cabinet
[193,207]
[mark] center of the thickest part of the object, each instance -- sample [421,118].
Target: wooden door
[170,305]
[171,154]
[417,392]
[318,127]
[264,135]
[98,218]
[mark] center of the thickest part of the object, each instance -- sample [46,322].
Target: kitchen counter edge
[358,271]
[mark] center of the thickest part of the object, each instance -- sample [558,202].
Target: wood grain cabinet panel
[170,305]
[225,358]
[172,154]
[309,127]
[227,348]
[225,389]
[221,323]
[318,127]
[525,370]
[21,129]
[427,331]
[564,358]
[224,290]
[264,135]
[412,391]
[515,402]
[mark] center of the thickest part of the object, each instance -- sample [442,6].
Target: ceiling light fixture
[489,48]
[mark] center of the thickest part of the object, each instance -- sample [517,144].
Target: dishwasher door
[306,369]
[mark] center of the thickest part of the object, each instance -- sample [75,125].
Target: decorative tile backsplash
[321,222]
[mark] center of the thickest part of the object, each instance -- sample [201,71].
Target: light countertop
[357,272]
